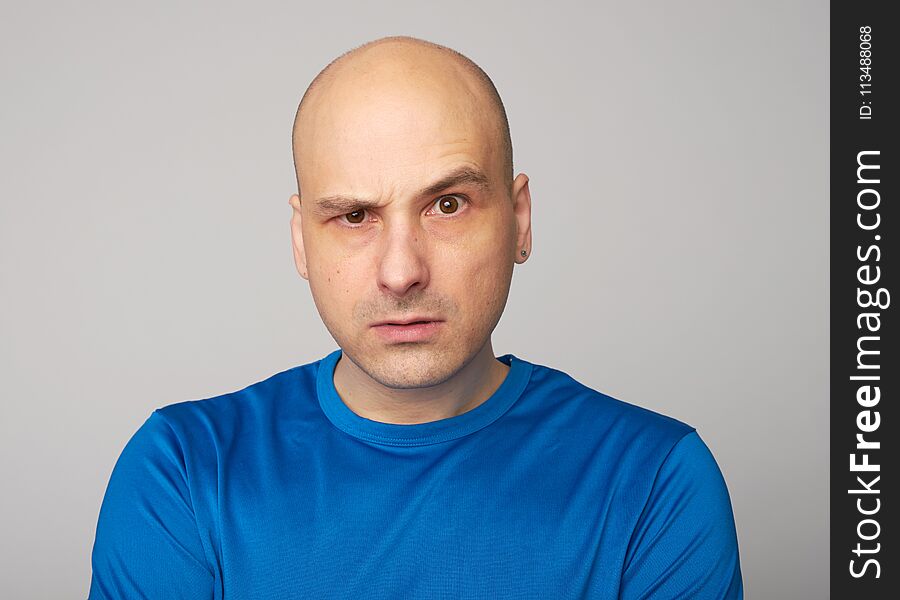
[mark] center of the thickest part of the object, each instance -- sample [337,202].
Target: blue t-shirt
[548,489]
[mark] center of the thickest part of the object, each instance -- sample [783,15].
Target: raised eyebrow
[462,176]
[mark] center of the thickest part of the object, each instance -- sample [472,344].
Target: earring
[524,253]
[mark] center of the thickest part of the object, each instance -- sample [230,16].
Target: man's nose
[402,260]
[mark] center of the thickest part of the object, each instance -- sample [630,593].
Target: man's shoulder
[565,399]
[285,391]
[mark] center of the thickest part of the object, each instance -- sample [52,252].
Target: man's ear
[297,237]
[521,198]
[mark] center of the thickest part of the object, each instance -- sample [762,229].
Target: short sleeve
[147,544]
[684,544]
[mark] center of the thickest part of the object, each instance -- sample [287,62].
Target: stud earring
[524,253]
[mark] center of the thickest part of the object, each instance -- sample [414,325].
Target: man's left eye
[449,204]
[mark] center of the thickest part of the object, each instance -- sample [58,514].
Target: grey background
[678,162]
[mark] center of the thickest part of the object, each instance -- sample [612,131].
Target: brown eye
[448,204]
[355,217]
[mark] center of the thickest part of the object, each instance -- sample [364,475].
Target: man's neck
[469,388]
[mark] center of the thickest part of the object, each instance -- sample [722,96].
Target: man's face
[417,250]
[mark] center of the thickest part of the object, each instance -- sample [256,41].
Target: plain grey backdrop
[678,162]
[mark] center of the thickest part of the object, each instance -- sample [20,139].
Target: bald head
[395,69]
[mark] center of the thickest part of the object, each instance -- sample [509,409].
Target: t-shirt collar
[420,434]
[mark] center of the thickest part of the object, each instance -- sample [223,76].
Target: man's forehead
[366,164]
[392,139]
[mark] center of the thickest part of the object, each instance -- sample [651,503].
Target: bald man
[411,462]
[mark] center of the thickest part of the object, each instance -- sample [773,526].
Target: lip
[406,320]
[411,332]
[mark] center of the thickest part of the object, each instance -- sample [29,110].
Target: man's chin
[407,366]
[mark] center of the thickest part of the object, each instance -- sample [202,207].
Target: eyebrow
[461,176]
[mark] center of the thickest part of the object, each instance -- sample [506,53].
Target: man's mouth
[411,320]
[403,330]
